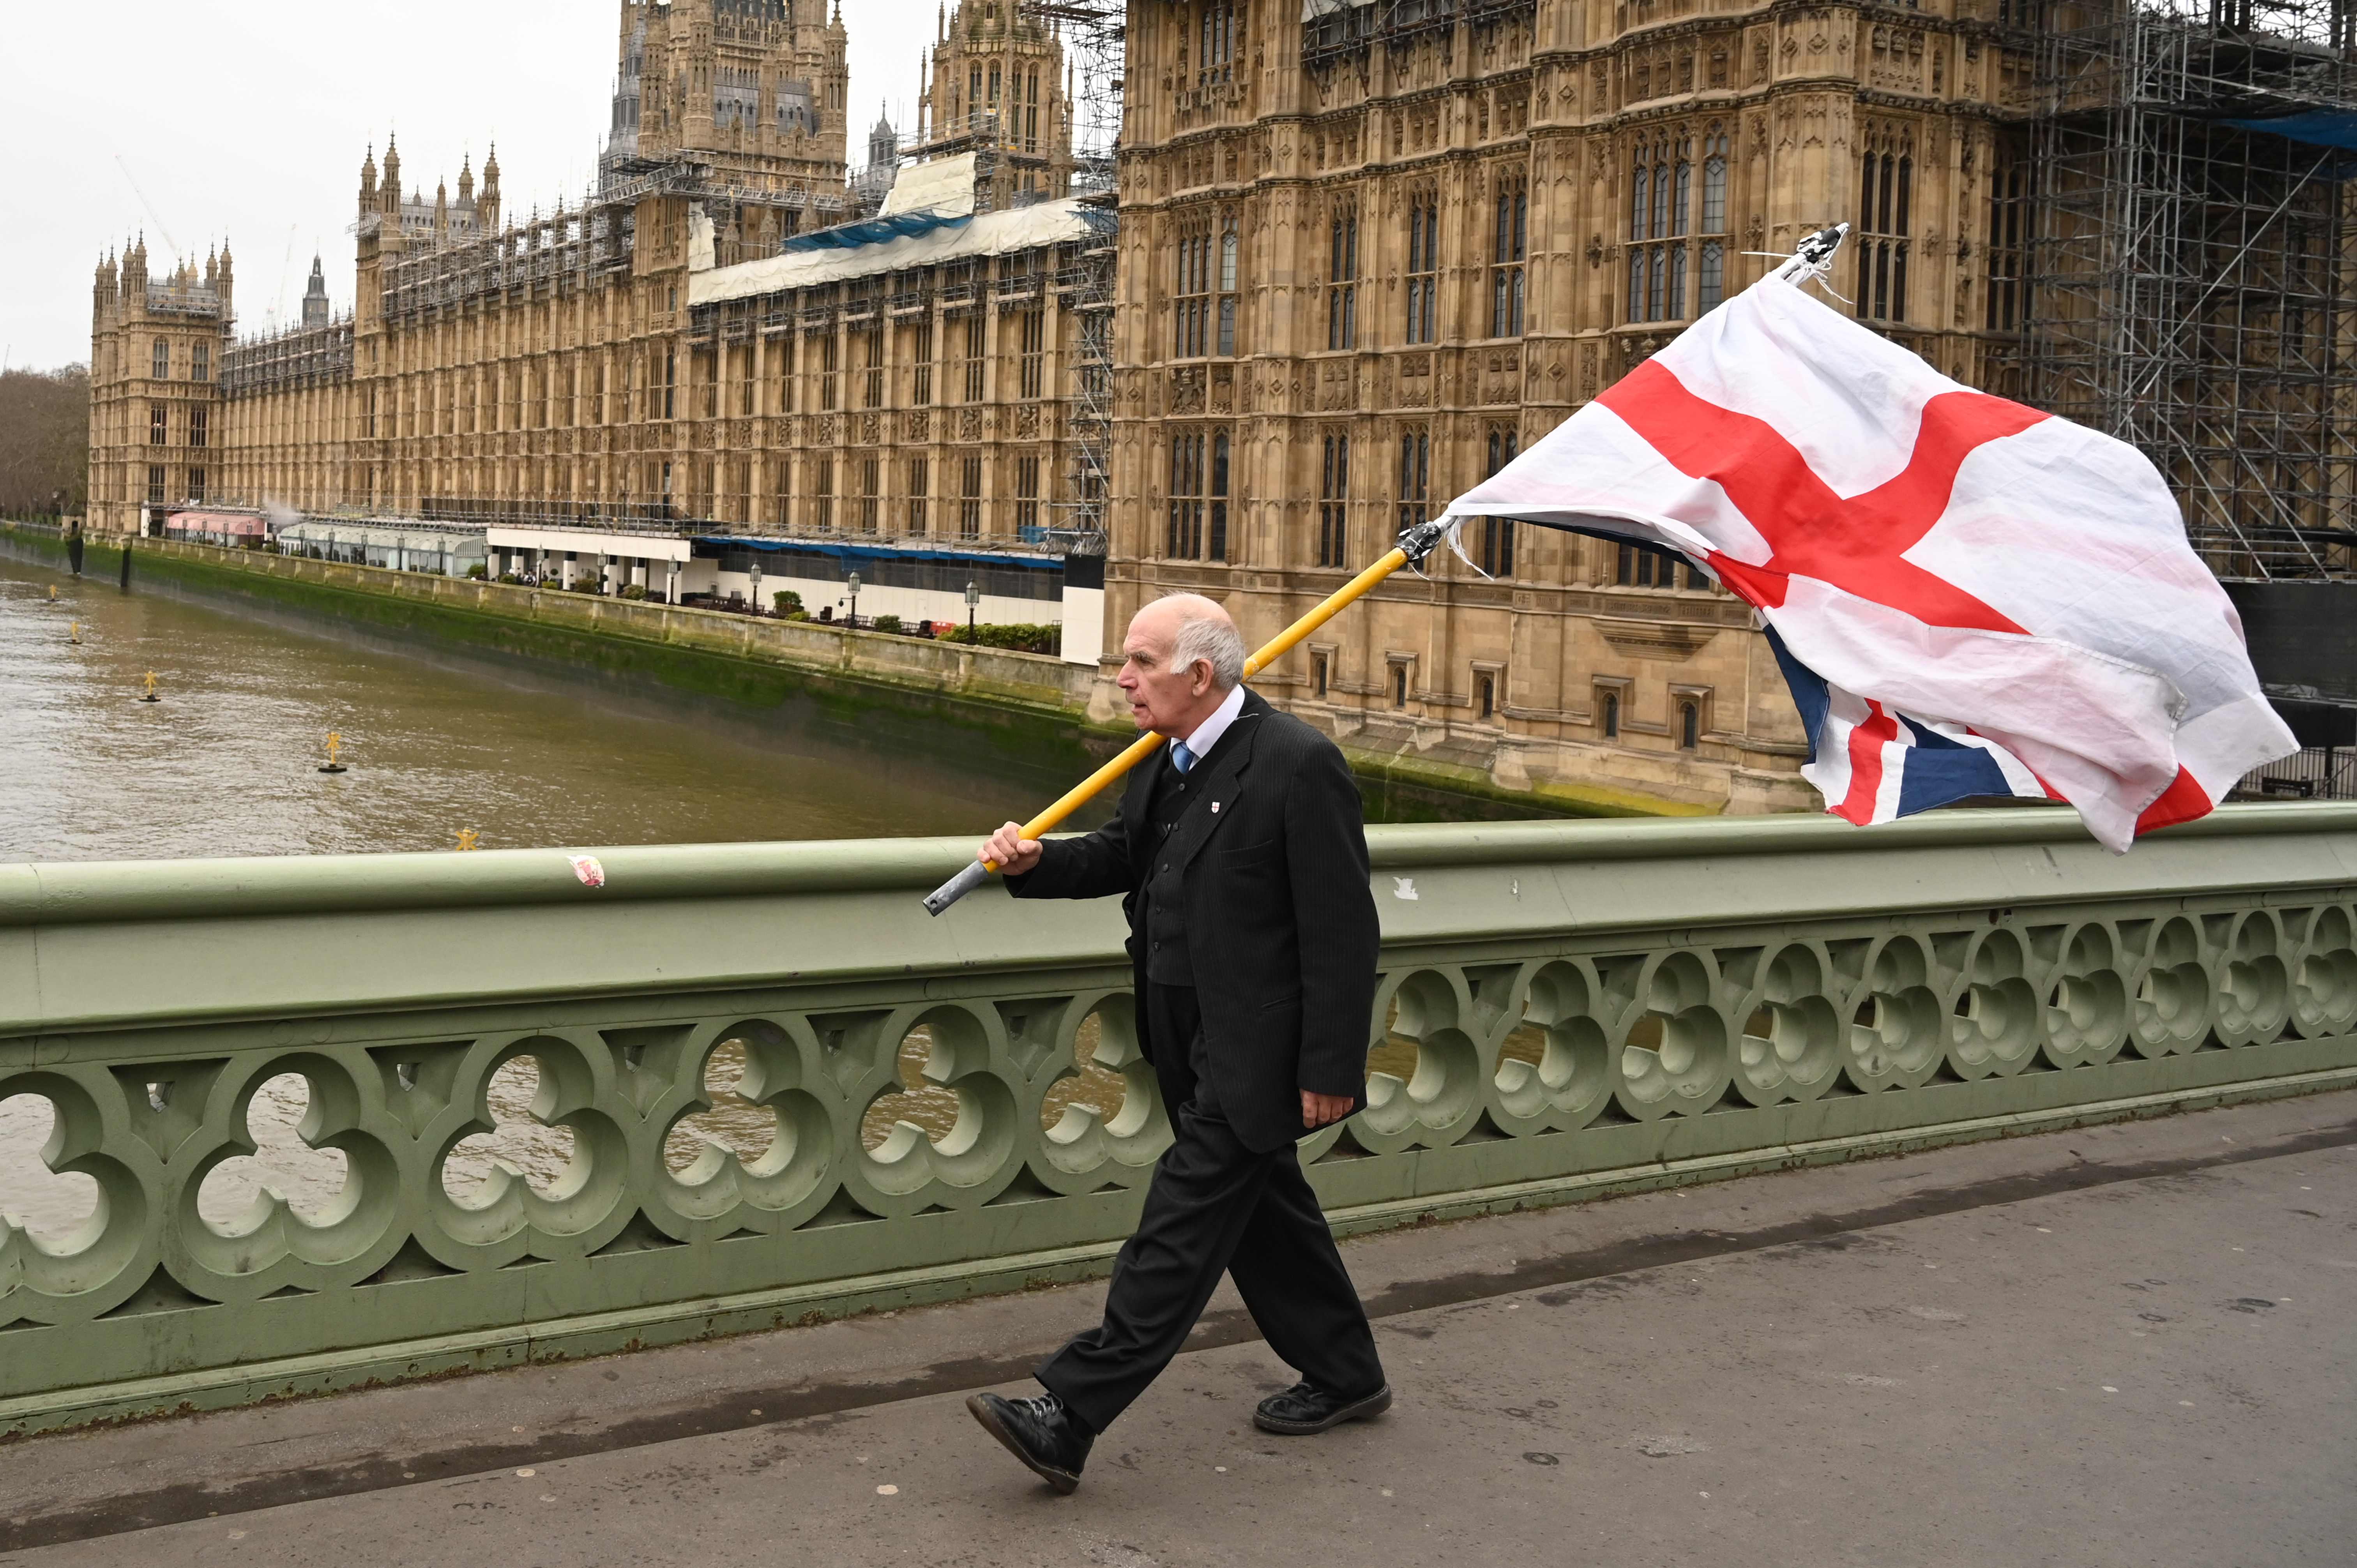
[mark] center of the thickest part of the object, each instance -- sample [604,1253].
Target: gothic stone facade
[561,366]
[1369,252]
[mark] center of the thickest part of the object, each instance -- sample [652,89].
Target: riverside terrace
[1590,1007]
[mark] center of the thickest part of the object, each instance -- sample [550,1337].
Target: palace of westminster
[1356,254]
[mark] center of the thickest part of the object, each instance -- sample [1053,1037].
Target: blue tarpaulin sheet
[2317,127]
[875,231]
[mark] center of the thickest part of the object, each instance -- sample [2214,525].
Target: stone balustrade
[1566,1009]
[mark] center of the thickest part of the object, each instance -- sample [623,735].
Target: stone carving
[1517,1034]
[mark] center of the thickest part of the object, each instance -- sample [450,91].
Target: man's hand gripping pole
[1415,545]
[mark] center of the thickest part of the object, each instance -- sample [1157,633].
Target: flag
[1968,597]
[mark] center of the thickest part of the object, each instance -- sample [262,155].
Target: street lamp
[852,583]
[757,584]
[972,603]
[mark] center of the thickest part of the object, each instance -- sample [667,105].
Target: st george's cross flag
[1967,598]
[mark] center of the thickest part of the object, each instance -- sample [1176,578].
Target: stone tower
[315,298]
[157,344]
[995,87]
[758,89]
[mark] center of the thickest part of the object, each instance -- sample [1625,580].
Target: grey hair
[1205,632]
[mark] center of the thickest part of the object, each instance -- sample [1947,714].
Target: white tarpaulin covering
[987,234]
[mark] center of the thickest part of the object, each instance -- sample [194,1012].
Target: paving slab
[2130,1344]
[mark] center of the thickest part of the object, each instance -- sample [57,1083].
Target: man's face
[1160,700]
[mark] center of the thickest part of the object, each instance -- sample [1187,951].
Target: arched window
[1886,190]
[1612,706]
[1422,267]
[1509,244]
[1689,725]
[1228,250]
[1219,551]
[1342,282]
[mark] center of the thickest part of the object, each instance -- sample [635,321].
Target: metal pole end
[1418,543]
[956,887]
[1818,249]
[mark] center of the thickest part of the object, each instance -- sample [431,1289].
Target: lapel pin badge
[1215,807]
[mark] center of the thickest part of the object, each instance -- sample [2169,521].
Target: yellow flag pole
[1415,545]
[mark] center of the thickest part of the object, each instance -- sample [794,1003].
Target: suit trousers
[1215,1206]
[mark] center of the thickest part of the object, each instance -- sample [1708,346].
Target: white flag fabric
[1957,572]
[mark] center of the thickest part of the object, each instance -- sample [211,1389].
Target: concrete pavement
[2121,1344]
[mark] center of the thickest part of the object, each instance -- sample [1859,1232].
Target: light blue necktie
[1181,757]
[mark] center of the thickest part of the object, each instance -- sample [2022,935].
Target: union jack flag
[1967,598]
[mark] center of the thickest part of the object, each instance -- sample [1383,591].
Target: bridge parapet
[1567,1009]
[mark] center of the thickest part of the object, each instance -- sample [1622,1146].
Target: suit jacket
[1281,926]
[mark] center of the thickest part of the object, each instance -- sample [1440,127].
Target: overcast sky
[249,118]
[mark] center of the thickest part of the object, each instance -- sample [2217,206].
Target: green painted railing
[1585,1006]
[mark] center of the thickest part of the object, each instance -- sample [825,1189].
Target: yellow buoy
[150,695]
[73,630]
[53,593]
[335,742]
[468,839]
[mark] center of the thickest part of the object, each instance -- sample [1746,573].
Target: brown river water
[226,764]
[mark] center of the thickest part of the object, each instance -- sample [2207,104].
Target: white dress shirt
[1207,734]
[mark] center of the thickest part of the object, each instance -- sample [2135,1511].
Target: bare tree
[44,442]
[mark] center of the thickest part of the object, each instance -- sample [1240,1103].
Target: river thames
[226,763]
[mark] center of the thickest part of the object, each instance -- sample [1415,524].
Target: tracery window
[970,499]
[921,353]
[1191,298]
[976,338]
[1677,227]
[1497,552]
[1509,244]
[1034,374]
[1422,267]
[1414,476]
[1342,281]
[1027,495]
[1219,32]
[2008,203]
[1334,502]
[1884,188]
[1229,248]
[1199,496]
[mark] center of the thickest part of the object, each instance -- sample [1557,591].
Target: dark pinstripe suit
[1265,852]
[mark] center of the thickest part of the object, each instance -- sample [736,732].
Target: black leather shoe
[1041,1432]
[1304,1410]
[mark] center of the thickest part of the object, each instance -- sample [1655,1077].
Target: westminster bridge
[771,1107]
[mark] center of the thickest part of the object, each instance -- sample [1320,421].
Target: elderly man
[1242,866]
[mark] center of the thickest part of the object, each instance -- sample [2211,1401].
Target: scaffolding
[285,361]
[2188,277]
[1093,33]
[1094,38]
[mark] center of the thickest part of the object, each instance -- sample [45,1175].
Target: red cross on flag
[1968,597]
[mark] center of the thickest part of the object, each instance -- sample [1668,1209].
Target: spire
[315,298]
